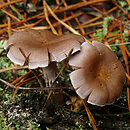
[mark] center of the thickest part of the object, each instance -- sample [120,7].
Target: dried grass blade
[9,3]
[47,19]
[67,26]
[126,63]
[91,118]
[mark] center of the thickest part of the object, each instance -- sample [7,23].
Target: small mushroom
[41,47]
[100,75]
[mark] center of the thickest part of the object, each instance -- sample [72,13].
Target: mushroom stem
[50,74]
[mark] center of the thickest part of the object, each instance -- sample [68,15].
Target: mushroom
[42,49]
[99,75]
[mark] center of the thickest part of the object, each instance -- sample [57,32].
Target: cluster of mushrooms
[98,76]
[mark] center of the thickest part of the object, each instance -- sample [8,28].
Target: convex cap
[42,45]
[100,75]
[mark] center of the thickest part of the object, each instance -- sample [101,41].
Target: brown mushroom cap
[39,44]
[100,76]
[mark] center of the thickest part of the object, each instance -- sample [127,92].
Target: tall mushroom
[41,48]
[99,75]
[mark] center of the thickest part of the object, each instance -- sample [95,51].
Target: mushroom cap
[100,76]
[41,46]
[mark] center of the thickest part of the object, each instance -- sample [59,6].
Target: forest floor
[106,21]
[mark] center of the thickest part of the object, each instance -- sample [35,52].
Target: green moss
[3,125]
[101,33]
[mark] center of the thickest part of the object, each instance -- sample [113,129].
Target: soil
[31,106]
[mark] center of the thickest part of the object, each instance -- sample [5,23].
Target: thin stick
[76,19]
[126,63]
[66,61]
[23,88]
[113,39]
[128,1]
[23,21]
[90,116]
[121,9]
[128,43]
[37,77]
[79,5]
[65,16]
[47,19]
[67,26]
[98,17]
[31,25]
[71,7]
[93,24]
[13,68]
[128,77]
[9,26]
[9,3]
[59,28]
[27,80]
[21,77]
[26,62]
[16,10]
[58,23]
[12,16]
[22,83]
[114,25]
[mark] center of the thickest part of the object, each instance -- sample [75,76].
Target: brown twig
[47,19]
[37,77]
[68,18]
[126,63]
[117,5]
[13,68]
[23,88]
[16,10]
[9,3]
[114,25]
[12,16]
[79,5]
[59,28]
[90,116]
[27,80]
[20,78]
[76,19]
[63,67]
[128,2]
[9,26]
[64,24]
[98,17]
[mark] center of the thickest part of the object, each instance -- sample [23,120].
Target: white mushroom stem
[50,74]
